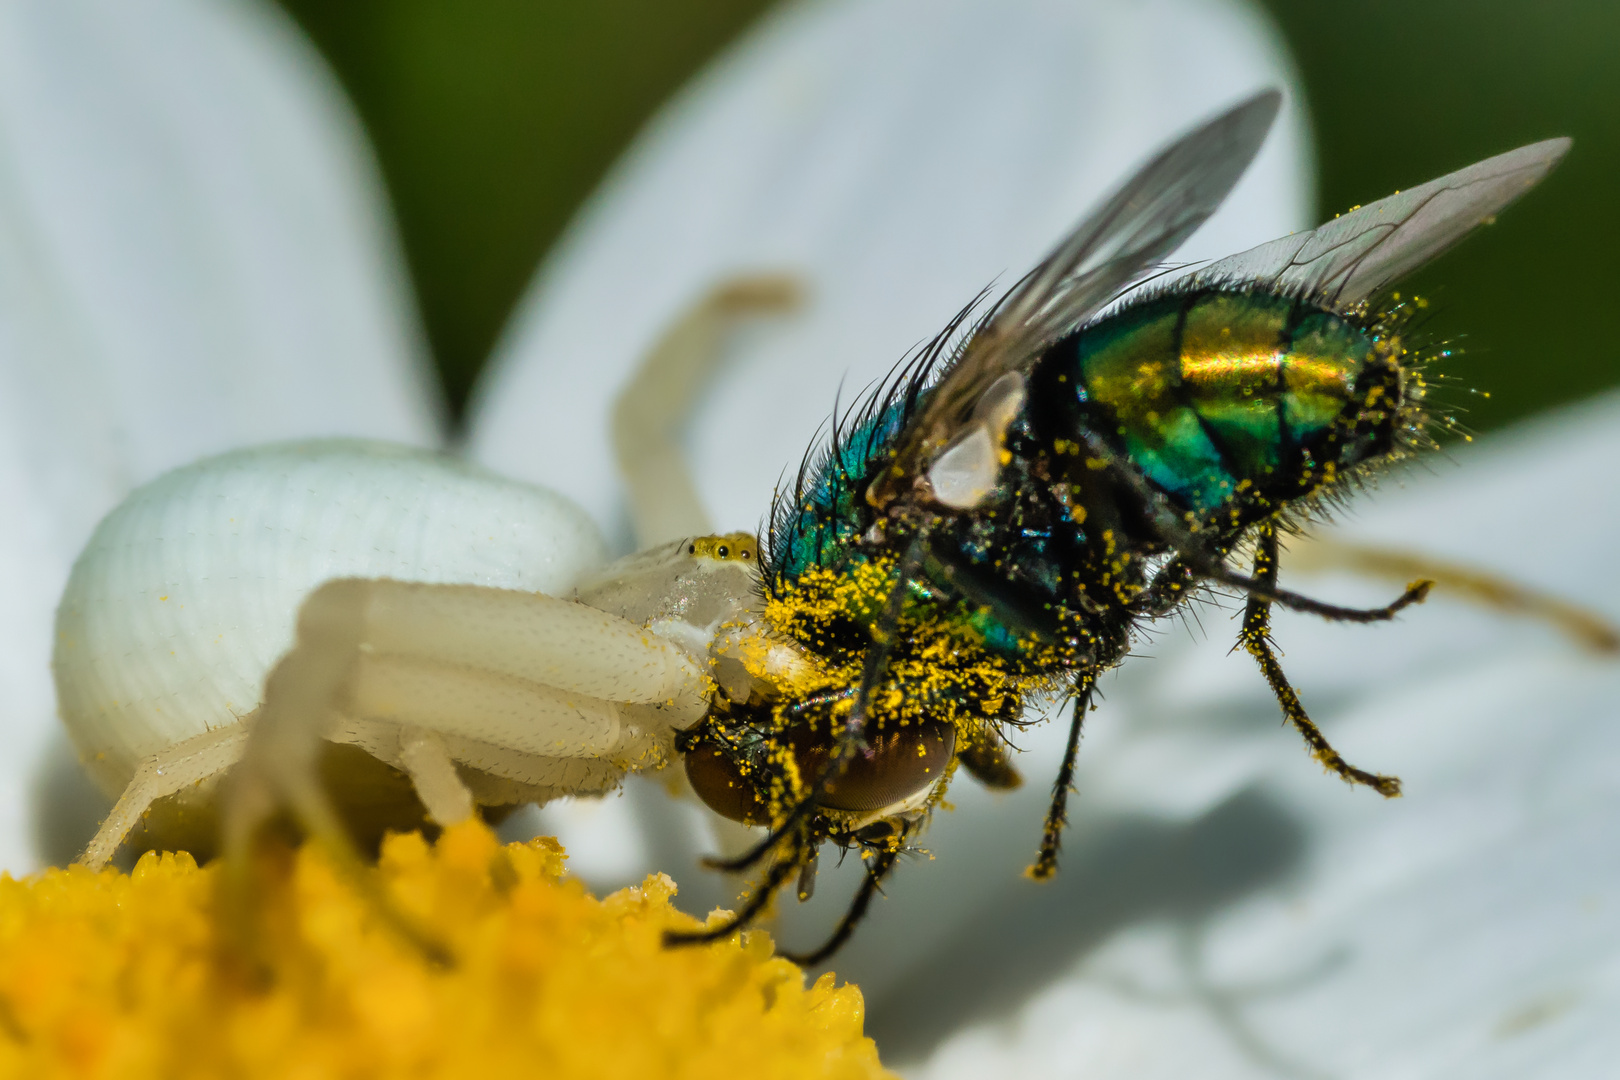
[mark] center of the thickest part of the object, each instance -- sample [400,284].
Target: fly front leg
[1255,638]
[656,403]
[803,849]
[878,868]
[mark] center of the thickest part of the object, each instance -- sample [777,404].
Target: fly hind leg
[1255,638]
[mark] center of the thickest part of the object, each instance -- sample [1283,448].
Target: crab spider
[426,637]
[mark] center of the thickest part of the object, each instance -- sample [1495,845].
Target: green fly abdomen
[1208,389]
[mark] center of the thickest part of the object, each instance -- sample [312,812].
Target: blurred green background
[493,119]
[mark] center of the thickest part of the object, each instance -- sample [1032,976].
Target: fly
[996,523]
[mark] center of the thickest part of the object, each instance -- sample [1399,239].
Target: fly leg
[878,869]
[987,762]
[656,402]
[1057,814]
[775,878]
[1256,641]
[1172,526]
[1170,586]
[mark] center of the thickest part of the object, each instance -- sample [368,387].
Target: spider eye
[722,551]
[720,783]
[897,766]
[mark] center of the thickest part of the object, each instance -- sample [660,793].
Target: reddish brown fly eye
[899,764]
[722,786]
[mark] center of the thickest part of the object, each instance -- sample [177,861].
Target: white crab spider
[451,624]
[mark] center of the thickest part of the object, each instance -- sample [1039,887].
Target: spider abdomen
[188,593]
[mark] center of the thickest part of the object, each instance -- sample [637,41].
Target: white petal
[194,254]
[900,155]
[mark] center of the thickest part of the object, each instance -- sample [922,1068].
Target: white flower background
[195,254]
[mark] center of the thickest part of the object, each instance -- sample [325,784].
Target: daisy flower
[193,255]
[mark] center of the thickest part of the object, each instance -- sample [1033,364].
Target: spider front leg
[1255,638]
[545,695]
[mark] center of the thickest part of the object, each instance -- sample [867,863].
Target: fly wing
[1143,222]
[1357,254]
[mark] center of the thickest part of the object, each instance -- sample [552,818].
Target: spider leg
[878,869]
[278,768]
[1588,628]
[1057,814]
[852,738]
[172,769]
[547,687]
[656,402]
[1255,638]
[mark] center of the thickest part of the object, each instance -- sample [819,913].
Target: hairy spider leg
[656,403]
[1255,638]
[170,770]
[852,736]
[1057,814]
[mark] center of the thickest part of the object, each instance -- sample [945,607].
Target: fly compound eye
[897,766]
[721,785]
